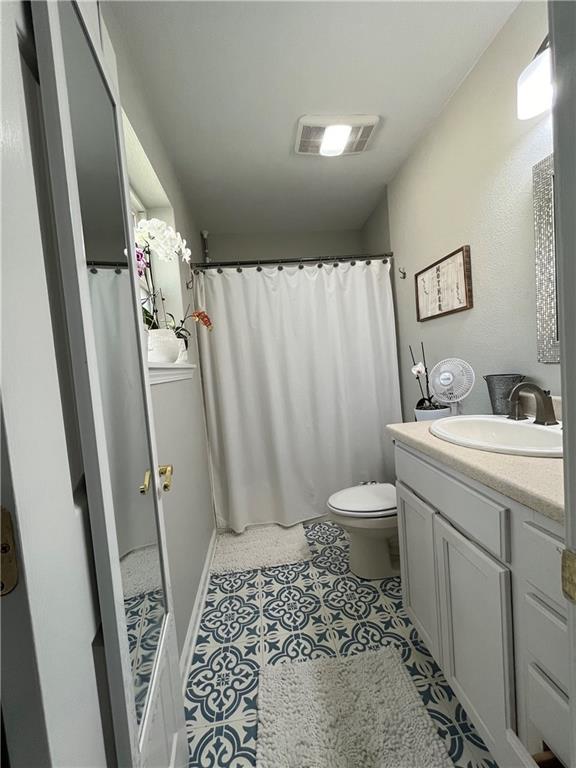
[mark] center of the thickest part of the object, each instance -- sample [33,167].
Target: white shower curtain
[301,378]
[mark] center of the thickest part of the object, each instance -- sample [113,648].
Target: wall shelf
[163,373]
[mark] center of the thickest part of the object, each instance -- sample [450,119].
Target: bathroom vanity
[481,539]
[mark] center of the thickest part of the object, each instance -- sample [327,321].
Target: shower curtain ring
[220,270]
[238,267]
[300,265]
[259,268]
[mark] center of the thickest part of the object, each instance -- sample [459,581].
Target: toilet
[368,513]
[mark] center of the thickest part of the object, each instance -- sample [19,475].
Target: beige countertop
[536,483]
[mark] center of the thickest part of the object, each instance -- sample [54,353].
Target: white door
[476,619]
[51,711]
[416,534]
[562,23]
[97,267]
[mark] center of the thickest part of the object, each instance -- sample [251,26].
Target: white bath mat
[357,712]
[141,571]
[259,548]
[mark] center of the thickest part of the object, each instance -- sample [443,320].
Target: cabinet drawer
[541,558]
[476,515]
[549,710]
[547,639]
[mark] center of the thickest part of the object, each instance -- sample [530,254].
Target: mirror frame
[546,272]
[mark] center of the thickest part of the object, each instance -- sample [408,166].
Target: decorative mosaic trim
[545,246]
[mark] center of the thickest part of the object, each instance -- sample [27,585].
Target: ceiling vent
[311,130]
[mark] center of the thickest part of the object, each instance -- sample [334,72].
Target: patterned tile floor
[144,616]
[296,612]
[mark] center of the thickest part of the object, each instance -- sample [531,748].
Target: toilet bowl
[368,513]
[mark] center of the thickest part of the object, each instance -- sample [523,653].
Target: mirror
[105,224]
[546,274]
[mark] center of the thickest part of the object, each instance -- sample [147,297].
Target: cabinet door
[475,608]
[416,530]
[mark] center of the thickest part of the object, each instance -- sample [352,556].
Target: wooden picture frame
[444,287]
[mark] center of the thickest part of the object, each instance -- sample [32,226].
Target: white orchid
[184,252]
[419,369]
[161,240]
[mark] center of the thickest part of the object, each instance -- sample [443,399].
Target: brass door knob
[145,487]
[166,471]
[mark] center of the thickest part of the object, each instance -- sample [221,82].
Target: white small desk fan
[451,380]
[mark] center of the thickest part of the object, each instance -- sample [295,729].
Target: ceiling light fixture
[334,140]
[535,90]
[335,135]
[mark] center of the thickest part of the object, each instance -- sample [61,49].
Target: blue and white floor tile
[144,616]
[297,612]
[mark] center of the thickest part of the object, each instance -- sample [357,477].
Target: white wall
[179,421]
[268,246]
[469,181]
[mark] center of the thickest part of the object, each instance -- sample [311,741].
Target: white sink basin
[499,434]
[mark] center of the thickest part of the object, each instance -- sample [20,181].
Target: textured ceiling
[227,82]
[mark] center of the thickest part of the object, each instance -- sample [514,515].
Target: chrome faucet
[544,406]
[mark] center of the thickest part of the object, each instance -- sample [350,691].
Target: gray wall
[268,246]
[135,104]
[469,181]
[375,234]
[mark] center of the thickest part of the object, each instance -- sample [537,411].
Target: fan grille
[451,380]
[311,132]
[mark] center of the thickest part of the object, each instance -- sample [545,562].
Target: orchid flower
[142,262]
[419,369]
[161,240]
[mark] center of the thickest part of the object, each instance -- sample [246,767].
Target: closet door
[476,613]
[416,532]
[103,317]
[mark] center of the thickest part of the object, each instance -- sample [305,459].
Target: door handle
[166,471]
[145,487]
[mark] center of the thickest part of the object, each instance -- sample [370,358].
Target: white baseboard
[193,626]
[179,756]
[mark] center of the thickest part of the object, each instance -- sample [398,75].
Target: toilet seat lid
[377,497]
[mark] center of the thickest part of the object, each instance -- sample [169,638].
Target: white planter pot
[163,346]
[182,352]
[431,415]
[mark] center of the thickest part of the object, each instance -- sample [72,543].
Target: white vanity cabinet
[474,597]
[416,533]
[481,583]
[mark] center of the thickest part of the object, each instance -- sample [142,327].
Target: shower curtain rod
[94,266]
[197,266]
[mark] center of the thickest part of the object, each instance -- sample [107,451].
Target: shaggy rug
[355,712]
[260,547]
[141,571]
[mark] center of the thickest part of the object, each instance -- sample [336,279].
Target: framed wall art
[444,287]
